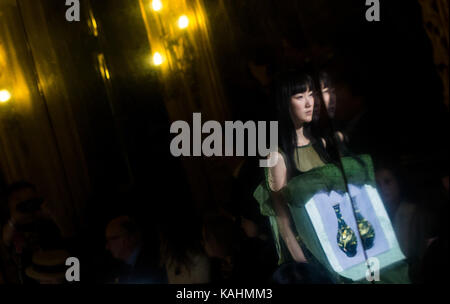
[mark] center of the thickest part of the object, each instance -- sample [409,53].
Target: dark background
[109,138]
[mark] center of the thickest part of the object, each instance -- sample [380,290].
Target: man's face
[388,186]
[116,241]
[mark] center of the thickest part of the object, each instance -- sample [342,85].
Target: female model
[313,218]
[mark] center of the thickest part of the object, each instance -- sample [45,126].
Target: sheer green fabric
[300,189]
[327,177]
[306,158]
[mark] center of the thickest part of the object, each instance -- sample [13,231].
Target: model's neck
[301,138]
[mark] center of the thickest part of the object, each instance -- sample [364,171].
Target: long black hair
[288,84]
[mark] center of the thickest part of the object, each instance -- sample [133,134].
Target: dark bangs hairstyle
[288,84]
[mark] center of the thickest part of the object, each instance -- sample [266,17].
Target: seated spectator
[234,257]
[182,253]
[219,241]
[29,228]
[412,222]
[136,262]
[195,271]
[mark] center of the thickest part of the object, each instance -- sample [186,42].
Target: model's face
[302,106]
[325,95]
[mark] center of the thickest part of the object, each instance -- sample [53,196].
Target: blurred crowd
[229,244]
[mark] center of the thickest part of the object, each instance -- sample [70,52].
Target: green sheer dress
[320,176]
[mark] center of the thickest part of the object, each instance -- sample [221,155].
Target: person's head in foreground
[123,237]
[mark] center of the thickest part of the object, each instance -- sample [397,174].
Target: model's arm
[277,181]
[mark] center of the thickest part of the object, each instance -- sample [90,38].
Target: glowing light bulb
[156,5]
[157,59]
[5,95]
[183,22]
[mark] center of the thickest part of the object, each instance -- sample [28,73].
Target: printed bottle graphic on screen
[365,229]
[346,238]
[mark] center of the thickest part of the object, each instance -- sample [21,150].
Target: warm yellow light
[183,22]
[93,24]
[94,27]
[156,5]
[157,59]
[5,95]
